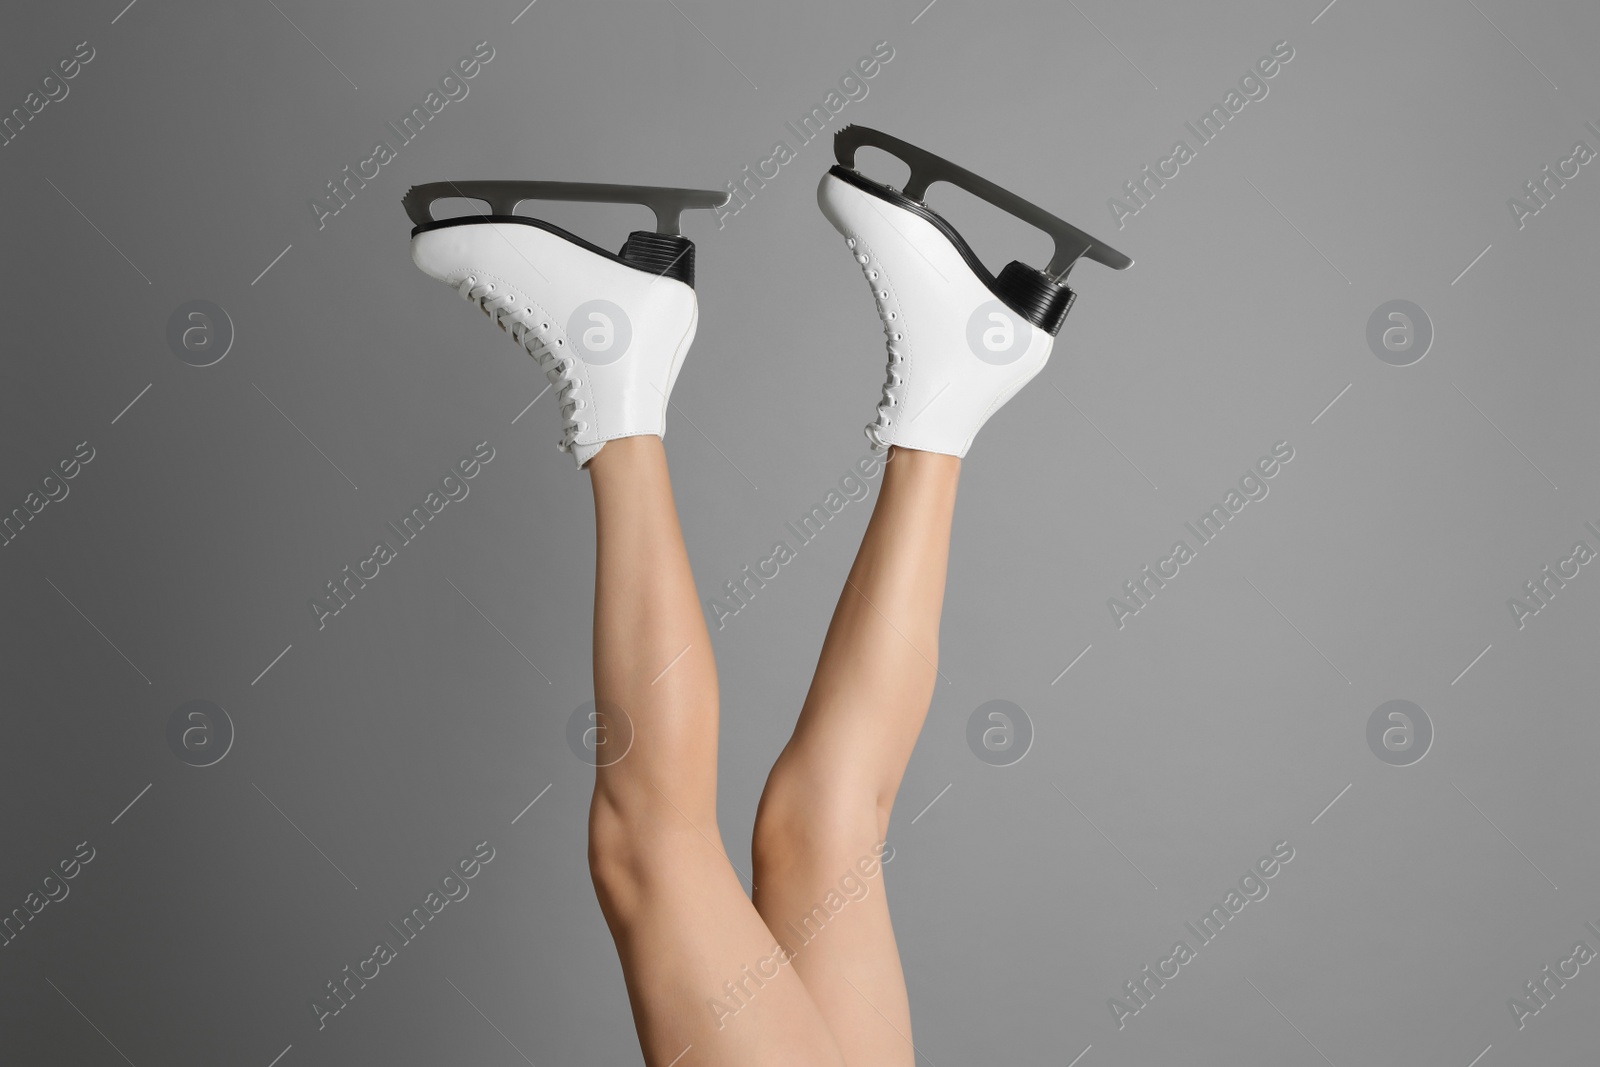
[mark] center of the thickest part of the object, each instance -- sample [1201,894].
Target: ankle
[643,452]
[914,465]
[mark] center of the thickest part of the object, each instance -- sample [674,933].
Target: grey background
[1225,717]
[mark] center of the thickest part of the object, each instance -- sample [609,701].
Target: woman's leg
[699,962]
[826,807]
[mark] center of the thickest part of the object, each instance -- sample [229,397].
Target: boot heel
[666,254]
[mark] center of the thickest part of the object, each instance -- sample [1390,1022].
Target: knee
[807,817]
[620,857]
[638,850]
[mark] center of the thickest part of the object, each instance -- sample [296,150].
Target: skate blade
[1071,243]
[504,196]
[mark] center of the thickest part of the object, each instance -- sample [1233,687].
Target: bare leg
[677,911]
[828,799]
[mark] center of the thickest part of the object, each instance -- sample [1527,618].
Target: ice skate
[610,330]
[961,341]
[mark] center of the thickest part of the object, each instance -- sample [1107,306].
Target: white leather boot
[960,341]
[609,330]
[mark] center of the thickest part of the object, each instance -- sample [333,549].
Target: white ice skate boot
[961,341]
[609,330]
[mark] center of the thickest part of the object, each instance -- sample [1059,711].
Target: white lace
[893,385]
[531,334]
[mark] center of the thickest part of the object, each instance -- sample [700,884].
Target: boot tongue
[667,254]
[1034,295]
